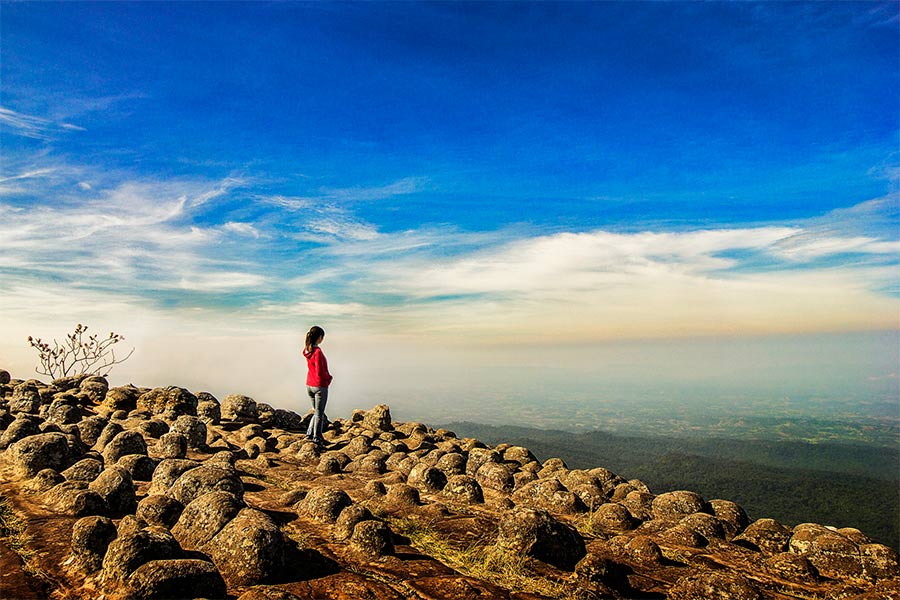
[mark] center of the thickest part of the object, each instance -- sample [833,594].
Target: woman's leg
[321,400]
[319,397]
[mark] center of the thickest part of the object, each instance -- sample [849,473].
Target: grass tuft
[482,560]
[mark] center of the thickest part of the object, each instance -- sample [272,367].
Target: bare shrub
[78,354]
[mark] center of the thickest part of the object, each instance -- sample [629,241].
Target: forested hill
[846,485]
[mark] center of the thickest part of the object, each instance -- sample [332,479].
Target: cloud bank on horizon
[450,173]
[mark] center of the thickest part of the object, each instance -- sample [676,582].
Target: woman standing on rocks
[317,381]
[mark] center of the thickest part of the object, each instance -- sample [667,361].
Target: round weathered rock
[43,481]
[90,428]
[731,515]
[41,451]
[427,478]
[553,467]
[206,478]
[329,465]
[708,526]
[21,427]
[4,377]
[172,445]
[549,494]
[402,495]
[72,498]
[90,538]
[518,454]
[192,428]
[177,578]
[109,431]
[250,549]
[287,420]
[132,549]
[644,551]
[94,388]
[347,520]
[324,504]
[203,518]
[462,488]
[478,457]
[167,473]
[209,412]
[452,463]
[125,442]
[537,534]
[159,510]
[139,466]
[714,585]
[496,476]
[122,398]
[682,535]
[236,407]
[879,561]
[115,486]
[372,539]
[25,399]
[833,554]
[674,506]
[767,535]
[639,504]
[169,402]
[378,418]
[613,517]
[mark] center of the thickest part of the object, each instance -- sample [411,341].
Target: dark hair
[312,336]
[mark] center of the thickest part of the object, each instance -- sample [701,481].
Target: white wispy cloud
[34,127]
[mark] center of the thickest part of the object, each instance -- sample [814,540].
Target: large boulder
[177,578]
[42,451]
[170,402]
[116,487]
[90,538]
[122,398]
[378,418]
[134,548]
[462,488]
[732,516]
[496,476]
[209,412]
[74,499]
[94,388]
[287,420]
[549,494]
[833,554]
[236,407]
[879,561]
[139,466]
[324,504]
[22,427]
[206,478]
[250,549]
[160,510]
[91,427]
[124,443]
[372,539]
[192,428]
[167,473]
[25,399]
[427,478]
[204,517]
[674,506]
[766,535]
[537,534]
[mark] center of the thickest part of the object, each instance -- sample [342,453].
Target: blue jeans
[318,396]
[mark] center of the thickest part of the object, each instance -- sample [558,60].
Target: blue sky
[443,173]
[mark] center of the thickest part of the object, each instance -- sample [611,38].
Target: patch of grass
[13,531]
[482,560]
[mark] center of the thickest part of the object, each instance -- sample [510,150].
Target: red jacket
[317,375]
